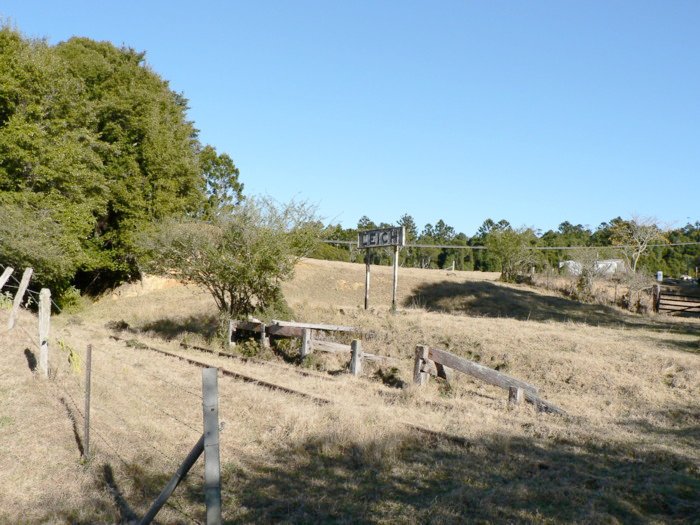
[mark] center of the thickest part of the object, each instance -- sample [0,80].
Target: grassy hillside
[349,452]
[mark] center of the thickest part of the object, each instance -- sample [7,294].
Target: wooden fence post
[656,297]
[18,297]
[395,282]
[516,396]
[367,271]
[88,380]
[420,377]
[264,340]
[306,337]
[44,326]
[356,359]
[5,276]
[229,334]
[212,464]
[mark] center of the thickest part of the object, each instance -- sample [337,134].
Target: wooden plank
[284,331]
[24,283]
[669,294]
[541,405]
[5,276]
[44,326]
[484,373]
[245,326]
[680,300]
[315,326]
[330,346]
[678,307]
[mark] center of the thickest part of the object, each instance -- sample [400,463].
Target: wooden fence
[307,332]
[675,303]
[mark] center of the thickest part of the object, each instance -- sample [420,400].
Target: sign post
[381,238]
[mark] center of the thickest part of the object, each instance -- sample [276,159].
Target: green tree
[513,250]
[90,134]
[241,258]
[220,176]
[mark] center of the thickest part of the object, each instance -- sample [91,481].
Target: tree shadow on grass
[496,480]
[172,328]
[330,478]
[681,424]
[487,299]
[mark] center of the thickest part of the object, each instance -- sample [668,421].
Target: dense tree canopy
[93,146]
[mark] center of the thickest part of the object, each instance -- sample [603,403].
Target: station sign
[381,237]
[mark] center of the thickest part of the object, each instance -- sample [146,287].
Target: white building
[606,267]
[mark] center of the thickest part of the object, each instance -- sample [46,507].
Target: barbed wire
[113,450]
[185,514]
[137,443]
[179,387]
[114,413]
[150,404]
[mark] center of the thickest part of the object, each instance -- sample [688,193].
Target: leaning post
[5,276]
[23,284]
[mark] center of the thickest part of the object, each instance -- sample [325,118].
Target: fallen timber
[432,361]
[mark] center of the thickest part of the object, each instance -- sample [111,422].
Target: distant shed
[605,267]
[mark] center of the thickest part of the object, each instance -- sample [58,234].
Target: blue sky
[532,111]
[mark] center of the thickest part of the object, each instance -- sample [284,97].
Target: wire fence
[126,412]
[32,293]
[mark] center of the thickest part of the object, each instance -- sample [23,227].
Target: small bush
[71,301]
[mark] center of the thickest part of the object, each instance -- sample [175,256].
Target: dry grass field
[346,450]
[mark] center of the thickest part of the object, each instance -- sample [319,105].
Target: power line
[481,247]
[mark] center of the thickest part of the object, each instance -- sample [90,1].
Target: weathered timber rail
[673,303]
[435,434]
[432,361]
[309,342]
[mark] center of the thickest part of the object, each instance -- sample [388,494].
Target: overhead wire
[481,247]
